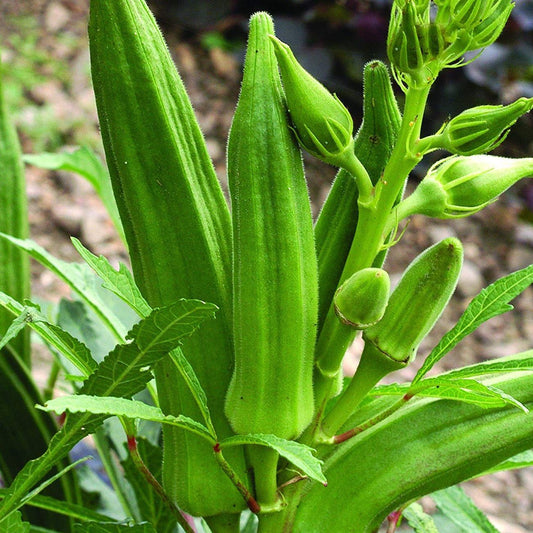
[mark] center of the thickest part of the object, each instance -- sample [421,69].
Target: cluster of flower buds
[458,186]
[420,44]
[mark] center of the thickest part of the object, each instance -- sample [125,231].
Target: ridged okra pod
[177,227]
[335,226]
[274,262]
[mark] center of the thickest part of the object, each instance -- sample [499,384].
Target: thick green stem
[371,232]
[264,461]
[373,366]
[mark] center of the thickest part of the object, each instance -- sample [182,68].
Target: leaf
[112,406]
[14,524]
[123,373]
[119,281]
[78,277]
[192,381]
[465,390]
[512,364]
[150,504]
[419,520]
[113,527]
[298,454]
[79,512]
[461,510]
[15,328]
[76,352]
[85,163]
[490,302]
[522,460]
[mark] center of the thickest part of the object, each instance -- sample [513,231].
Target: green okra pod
[418,301]
[274,263]
[178,230]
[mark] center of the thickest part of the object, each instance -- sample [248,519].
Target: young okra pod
[418,301]
[274,261]
[414,307]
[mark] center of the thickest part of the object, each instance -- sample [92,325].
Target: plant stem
[343,437]
[251,502]
[369,237]
[143,469]
[265,464]
[372,367]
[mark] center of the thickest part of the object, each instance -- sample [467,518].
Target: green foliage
[225,394]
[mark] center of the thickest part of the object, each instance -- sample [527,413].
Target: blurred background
[46,77]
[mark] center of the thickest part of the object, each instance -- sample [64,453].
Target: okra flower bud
[481,129]
[362,299]
[418,301]
[323,125]
[461,185]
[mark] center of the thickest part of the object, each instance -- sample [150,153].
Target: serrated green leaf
[151,507]
[419,520]
[522,364]
[124,372]
[85,163]
[188,374]
[14,524]
[490,302]
[113,406]
[15,327]
[465,390]
[78,277]
[75,351]
[461,510]
[298,454]
[119,281]
[113,527]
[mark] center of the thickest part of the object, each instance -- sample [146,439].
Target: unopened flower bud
[418,301]
[362,299]
[323,125]
[483,128]
[459,186]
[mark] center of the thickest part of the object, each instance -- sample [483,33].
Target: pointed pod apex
[323,125]
[362,299]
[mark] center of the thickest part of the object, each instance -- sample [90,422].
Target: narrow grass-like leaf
[119,281]
[490,302]
[419,520]
[187,373]
[465,390]
[86,163]
[76,352]
[461,510]
[113,527]
[298,454]
[522,364]
[113,406]
[124,372]
[79,512]
[78,277]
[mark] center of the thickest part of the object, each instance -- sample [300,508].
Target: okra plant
[219,385]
